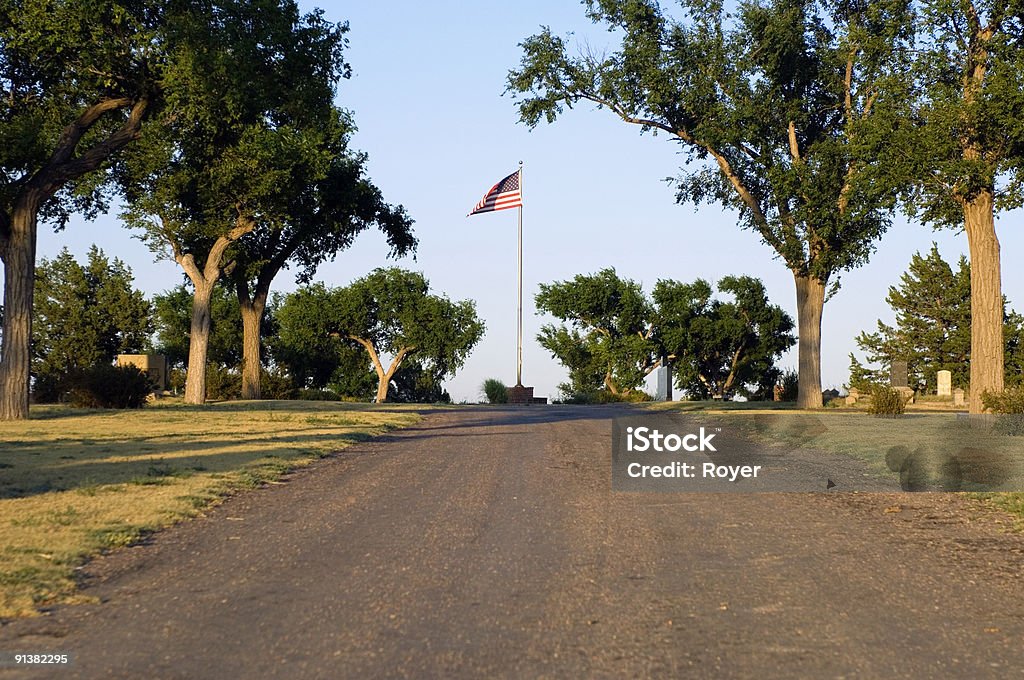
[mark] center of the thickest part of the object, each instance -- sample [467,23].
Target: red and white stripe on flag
[503,195]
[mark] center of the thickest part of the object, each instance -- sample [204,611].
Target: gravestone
[945,384]
[959,397]
[898,374]
[852,396]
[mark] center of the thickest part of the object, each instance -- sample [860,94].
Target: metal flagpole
[519,328]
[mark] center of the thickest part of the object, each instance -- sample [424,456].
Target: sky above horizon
[427,96]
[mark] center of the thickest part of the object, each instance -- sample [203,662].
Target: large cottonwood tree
[244,131]
[77,82]
[391,315]
[306,219]
[607,336]
[969,151]
[722,347]
[778,106]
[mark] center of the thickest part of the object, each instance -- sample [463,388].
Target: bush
[1007,401]
[495,391]
[48,388]
[886,401]
[790,382]
[1011,403]
[106,386]
[222,383]
[276,385]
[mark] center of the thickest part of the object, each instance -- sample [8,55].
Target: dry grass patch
[74,482]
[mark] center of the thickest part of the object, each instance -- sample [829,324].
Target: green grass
[74,482]
[855,433]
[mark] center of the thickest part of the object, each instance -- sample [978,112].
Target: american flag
[505,194]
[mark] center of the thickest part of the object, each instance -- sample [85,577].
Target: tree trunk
[19,256]
[810,302]
[199,341]
[252,317]
[986,300]
[383,384]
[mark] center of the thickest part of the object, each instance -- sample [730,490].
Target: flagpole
[519,328]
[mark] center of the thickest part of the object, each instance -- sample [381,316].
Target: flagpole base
[520,395]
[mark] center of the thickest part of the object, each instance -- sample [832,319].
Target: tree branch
[64,166]
[794,147]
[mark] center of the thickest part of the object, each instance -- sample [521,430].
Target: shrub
[1011,403]
[495,391]
[106,386]
[276,385]
[47,388]
[886,401]
[176,380]
[790,382]
[222,383]
[1007,401]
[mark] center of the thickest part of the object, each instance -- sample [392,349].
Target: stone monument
[153,365]
[898,374]
[959,397]
[664,384]
[945,379]
[898,380]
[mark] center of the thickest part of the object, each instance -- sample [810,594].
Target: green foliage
[607,340]
[172,311]
[614,336]
[222,383]
[886,401]
[107,386]
[276,384]
[932,305]
[759,100]
[414,383]
[720,348]
[495,390]
[968,135]
[790,382]
[312,354]
[57,59]
[1008,401]
[85,315]
[389,313]
[317,395]
[254,149]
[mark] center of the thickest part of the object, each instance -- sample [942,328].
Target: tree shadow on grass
[41,467]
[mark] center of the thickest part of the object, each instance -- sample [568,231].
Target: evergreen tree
[85,315]
[933,327]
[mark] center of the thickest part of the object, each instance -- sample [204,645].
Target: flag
[505,194]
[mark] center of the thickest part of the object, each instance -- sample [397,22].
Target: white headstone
[945,384]
[959,397]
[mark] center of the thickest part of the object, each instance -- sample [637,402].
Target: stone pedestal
[907,393]
[520,395]
[945,381]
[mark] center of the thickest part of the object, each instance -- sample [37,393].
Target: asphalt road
[487,543]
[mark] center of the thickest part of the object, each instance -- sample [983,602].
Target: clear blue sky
[427,96]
